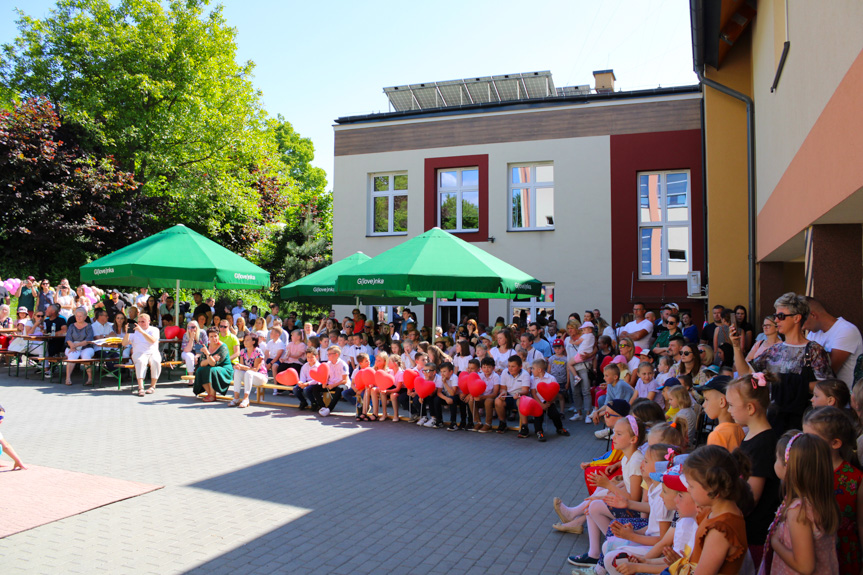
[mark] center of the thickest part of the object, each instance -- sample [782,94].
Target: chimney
[604,81]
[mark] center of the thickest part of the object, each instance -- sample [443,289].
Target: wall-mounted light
[491,239]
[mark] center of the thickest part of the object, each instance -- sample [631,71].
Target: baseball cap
[670,382]
[718,383]
[115,291]
[619,406]
[674,478]
[23,309]
[31,278]
[587,324]
[557,343]
[639,351]
[619,359]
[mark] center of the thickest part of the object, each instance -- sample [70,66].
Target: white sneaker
[588,419]
[275,392]
[323,412]
[603,433]
[423,420]
[430,423]
[575,417]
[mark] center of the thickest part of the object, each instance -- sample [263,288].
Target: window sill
[551,229]
[386,235]
[662,279]
[474,231]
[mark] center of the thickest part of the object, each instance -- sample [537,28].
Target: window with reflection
[531,197]
[663,220]
[458,199]
[389,204]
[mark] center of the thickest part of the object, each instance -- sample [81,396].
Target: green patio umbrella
[438,264]
[320,287]
[174,258]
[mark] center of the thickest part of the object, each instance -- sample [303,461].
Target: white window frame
[458,190]
[664,224]
[391,193]
[533,306]
[532,186]
[457,303]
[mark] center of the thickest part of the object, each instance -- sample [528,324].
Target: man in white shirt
[102,329]
[640,329]
[839,337]
[141,299]
[238,309]
[514,382]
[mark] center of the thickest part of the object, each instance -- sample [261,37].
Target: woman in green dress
[215,372]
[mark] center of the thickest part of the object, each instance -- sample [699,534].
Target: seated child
[680,398]
[514,382]
[645,385]
[391,395]
[448,395]
[615,388]
[540,375]
[492,390]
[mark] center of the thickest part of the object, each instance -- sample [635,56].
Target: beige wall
[826,36]
[576,256]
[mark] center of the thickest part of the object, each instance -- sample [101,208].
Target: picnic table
[31,341]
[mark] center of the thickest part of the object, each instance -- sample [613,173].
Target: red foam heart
[529,407]
[463,381]
[423,387]
[384,380]
[476,386]
[548,390]
[410,377]
[365,378]
[174,332]
[320,373]
[288,377]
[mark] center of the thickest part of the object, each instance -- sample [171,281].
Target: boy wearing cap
[727,433]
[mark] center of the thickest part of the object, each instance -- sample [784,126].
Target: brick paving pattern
[268,489]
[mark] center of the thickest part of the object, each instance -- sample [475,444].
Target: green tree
[160,90]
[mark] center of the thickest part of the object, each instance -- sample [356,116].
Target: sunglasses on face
[223,327]
[781,316]
[768,325]
[625,345]
[685,353]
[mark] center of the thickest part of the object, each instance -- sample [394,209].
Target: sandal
[373,417]
[244,403]
[140,393]
[209,398]
[68,382]
[89,382]
[363,418]
[151,390]
[394,419]
[234,402]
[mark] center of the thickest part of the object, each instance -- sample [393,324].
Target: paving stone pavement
[274,490]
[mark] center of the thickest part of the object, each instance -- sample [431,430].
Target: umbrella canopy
[320,287]
[438,264]
[176,258]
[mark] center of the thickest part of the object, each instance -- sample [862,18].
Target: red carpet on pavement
[40,495]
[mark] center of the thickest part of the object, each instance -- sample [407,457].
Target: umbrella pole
[177,305]
[434,316]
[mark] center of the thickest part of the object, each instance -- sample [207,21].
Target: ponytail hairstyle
[682,426]
[664,452]
[809,476]
[837,389]
[395,360]
[754,388]
[833,423]
[666,433]
[722,474]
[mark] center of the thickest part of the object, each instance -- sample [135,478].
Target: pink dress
[826,560]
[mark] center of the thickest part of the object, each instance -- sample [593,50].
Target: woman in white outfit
[249,371]
[193,340]
[145,352]
[66,301]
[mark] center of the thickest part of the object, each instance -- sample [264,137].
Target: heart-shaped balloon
[476,386]
[173,332]
[529,407]
[463,380]
[410,377]
[365,378]
[548,390]
[320,373]
[288,377]
[423,387]
[384,380]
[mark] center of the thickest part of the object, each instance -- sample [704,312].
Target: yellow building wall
[725,148]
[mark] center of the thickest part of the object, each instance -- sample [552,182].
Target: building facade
[801,63]
[598,195]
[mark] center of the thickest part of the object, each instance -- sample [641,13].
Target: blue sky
[317,61]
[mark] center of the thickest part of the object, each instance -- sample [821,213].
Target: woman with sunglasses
[690,364]
[798,363]
[770,329]
[45,296]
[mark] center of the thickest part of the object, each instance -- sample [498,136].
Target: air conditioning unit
[693,286]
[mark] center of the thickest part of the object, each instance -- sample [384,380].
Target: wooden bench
[50,360]
[10,354]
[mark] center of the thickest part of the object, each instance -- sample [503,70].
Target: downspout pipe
[696,14]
